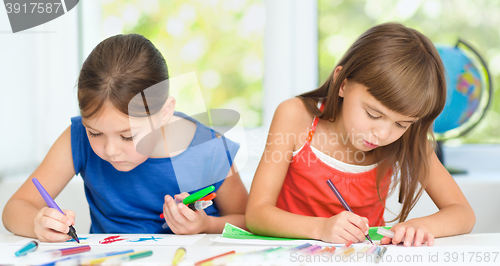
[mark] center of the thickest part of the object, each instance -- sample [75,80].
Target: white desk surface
[472,249]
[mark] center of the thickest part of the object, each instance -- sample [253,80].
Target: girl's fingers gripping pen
[52,204]
[199,205]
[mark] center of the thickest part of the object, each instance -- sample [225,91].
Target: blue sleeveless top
[131,202]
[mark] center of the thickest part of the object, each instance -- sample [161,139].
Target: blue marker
[31,246]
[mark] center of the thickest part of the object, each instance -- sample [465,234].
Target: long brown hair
[403,71]
[118,69]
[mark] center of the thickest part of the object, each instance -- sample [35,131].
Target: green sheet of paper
[231,231]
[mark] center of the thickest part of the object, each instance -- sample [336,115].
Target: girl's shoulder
[292,121]
[294,112]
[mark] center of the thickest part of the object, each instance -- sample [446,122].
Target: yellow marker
[179,255]
[349,251]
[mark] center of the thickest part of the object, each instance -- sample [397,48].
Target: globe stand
[440,155]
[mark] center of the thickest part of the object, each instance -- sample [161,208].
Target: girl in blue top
[126,164]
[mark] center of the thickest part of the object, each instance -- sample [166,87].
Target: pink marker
[312,249]
[370,251]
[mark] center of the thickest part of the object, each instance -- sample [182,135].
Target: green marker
[198,195]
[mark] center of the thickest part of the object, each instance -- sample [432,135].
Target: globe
[469,94]
[468,91]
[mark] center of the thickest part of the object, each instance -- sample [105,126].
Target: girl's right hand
[53,226]
[343,227]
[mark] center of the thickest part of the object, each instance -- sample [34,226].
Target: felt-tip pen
[343,202]
[118,260]
[52,204]
[31,246]
[199,205]
[50,254]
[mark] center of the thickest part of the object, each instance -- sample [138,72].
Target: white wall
[38,74]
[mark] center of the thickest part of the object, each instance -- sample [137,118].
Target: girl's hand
[53,226]
[409,233]
[181,219]
[343,227]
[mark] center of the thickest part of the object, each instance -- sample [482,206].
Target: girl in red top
[366,129]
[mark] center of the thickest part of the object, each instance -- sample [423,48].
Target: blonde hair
[403,71]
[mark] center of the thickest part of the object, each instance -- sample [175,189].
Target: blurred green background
[443,21]
[222,41]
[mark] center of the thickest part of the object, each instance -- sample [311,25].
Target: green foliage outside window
[443,21]
[222,41]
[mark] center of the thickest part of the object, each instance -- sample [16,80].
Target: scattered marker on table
[30,247]
[380,254]
[179,256]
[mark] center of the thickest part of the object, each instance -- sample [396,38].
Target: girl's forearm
[454,219]
[267,219]
[215,225]
[18,217]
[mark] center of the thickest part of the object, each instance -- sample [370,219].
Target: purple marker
[342,200]
[52,204]
[311,249]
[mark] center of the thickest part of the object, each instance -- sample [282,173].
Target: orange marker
[329,249]
[208,197]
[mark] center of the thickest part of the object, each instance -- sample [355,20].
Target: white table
[464,248]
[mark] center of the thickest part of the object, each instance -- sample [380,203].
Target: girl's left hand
[409,233]
[181,219]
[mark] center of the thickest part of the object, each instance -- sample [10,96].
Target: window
[222,41]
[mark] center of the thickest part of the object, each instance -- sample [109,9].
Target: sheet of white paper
[125,240]
[221,239]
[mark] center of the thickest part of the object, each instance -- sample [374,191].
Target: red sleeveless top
[306,192]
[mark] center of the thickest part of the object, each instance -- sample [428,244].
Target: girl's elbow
[251,219]
[472,220]
[6,218]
